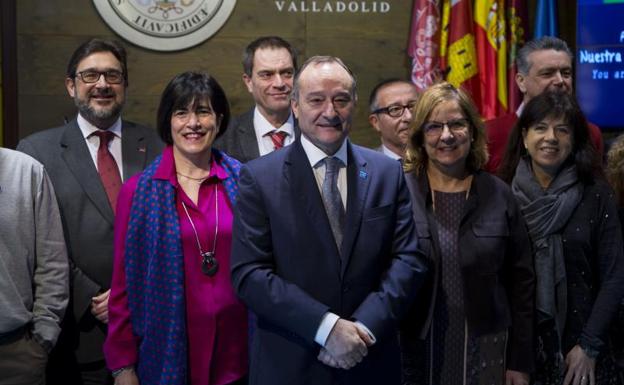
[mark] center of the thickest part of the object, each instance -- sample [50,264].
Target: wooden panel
[60,17]
[373,44]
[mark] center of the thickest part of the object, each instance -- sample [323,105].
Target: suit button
[345,288]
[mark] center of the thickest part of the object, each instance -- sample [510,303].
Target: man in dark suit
[544,64]
[87,159]
[391,102]
[327,284]
[269,65]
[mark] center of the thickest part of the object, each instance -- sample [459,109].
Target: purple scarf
[155,274]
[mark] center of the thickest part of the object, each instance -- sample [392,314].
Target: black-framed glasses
[395,110]
[456,126]
[92,76]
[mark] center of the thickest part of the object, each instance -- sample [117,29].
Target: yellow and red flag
[517,22]
[424,43]
[489,16]
[458,57]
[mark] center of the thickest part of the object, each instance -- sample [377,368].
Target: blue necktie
[331,199]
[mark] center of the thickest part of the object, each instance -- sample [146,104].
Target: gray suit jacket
[87,217]
[239,140]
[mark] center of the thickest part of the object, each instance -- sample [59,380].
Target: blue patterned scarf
[155,274]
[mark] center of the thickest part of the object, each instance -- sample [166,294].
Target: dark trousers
[22,361]
[94,373]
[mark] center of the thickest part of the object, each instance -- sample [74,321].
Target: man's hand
[579,368]
[513,377]
[346,345]
[327,359]
[127,377]
[99,306]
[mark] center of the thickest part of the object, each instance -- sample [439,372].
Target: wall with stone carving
[370,36]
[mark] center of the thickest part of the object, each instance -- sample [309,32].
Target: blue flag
[546,19]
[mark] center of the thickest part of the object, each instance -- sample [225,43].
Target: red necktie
[277,137]
[107,168]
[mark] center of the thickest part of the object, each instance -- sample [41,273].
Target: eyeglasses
[456,126]
[91,76]
[395,110]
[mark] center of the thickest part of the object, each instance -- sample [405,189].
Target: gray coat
[87,216]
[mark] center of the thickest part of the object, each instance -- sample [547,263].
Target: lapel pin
[142,149]
[363,174]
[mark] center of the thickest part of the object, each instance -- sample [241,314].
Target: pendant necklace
[209,264]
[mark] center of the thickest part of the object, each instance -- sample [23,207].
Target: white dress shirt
[93,141]
[388,152]
[316,157]
[262,127]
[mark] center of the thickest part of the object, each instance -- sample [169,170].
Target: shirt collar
[263,127]
[390,153]
[520,108]
[166,169]
[88,129]
[316,155]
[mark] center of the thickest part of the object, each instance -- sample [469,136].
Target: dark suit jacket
[87,217]
[287,269]
[496,264]
[239,140]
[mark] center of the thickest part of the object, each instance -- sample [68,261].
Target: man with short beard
[87,160]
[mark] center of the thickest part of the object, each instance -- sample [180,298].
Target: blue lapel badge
[363,174]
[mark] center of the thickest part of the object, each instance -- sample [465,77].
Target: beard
[101,118]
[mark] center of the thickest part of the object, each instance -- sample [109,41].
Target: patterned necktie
[277,137]
[107,168]
[332,200]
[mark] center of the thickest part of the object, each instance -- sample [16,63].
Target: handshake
[346,345]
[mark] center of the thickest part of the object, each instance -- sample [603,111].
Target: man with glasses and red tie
[269,65]
[391,103]
[88,159]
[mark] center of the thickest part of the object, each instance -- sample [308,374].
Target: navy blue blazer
[286,266]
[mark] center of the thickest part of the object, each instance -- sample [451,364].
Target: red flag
[457,47]
[424,43]
[492,56]
[517,22]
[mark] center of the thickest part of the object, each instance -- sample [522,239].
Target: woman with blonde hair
[474,321]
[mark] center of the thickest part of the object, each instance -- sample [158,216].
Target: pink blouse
[216,320]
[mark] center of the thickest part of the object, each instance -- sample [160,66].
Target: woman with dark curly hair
[572,219]
[473,323]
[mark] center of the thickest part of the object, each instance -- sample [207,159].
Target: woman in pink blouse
[173,316]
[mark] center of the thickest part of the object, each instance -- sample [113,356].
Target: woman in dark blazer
[573,224]
[474,322]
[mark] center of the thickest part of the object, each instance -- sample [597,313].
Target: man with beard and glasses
[87,160]
[269,65]
[544,64]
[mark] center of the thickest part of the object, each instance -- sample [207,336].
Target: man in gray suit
[391,103]
[87,159]
[269,65]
